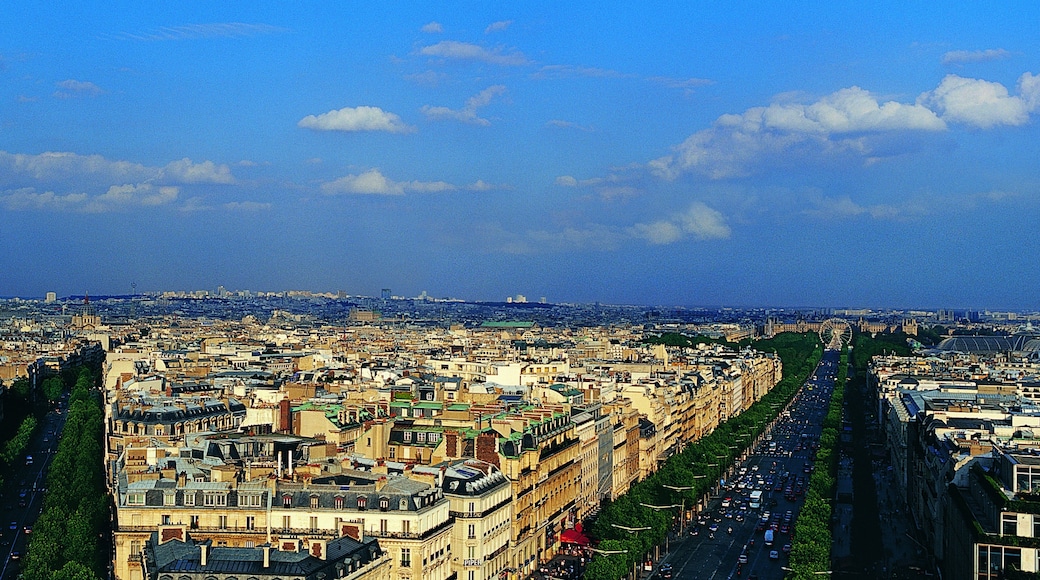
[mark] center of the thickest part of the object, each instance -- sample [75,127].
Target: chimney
[267,555]
[279,465]
[205,549]
[290,463]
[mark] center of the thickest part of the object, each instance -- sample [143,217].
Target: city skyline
[766,155]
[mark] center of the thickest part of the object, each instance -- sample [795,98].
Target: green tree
[74,571]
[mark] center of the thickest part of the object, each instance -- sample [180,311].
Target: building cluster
[392,451]
[961,432]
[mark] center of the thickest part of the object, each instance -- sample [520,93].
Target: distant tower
[385,294]
[51,297]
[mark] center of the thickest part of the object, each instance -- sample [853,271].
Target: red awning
[573,536]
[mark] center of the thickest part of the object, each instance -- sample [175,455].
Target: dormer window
[407,436]
[287,501]
[362,501]
[384,503]
[420,437]
[337,502]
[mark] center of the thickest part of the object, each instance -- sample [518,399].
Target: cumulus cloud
[967,56]
[468,113]
[185,171]
[29,199]
[699,221]
[71,88]
[454,50]
[981,103]
[432,27]
[373,182]
[135,194]
[64,181]
[497,26]
[356,119]
[834,123]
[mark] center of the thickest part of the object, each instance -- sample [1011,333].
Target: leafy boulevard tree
[697,466]
[67,542]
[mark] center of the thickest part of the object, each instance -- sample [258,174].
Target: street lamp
[631,530]
[682,507]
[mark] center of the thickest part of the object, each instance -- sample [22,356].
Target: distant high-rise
[385,294]
[51,297]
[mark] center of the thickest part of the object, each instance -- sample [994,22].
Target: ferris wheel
[835,332]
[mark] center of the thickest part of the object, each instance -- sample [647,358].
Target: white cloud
[982,103]
[452,49]
[71,88]
[497,26]
[373,182]
[844,207]
[144,194]
[699,221]
[481,185]
[559,123]
[468,113]
[185,171]
[29,199]
[356,119]
[836,122]
[563,71]
[567,181]
[965,56]
[247,206]
[432,28]
[37,181]
[688,85]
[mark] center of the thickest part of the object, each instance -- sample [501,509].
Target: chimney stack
[205,549]
[267,556]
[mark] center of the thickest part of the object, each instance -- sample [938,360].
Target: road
[697,555]
[22,497]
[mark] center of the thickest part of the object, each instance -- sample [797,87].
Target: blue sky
[784,154]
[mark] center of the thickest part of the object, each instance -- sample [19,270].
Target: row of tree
[69,541]
[811,543]
[16,446]
[627,529]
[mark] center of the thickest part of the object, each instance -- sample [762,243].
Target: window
[223,522]
[404,504]
[135,498]
[286,523]
[406,526]
[362,501]
[1009,524]
[407,436]
[393,451]
[472,551]
[433,437]
[189,498]
[249,500]
[194,522]
[384,503]
[169,498]
[135,547]
[314,501]
[287,501]
[471,531]
[314,523]
[406,557]
[472,507]
[166,519]
[250,522]
[383,527]
[337,502]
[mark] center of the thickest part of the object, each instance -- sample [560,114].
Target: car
[787,548]
[774,555]
[713,528]
[742,559]
[27,529]
[16,555]
[666,572]
[28,459]
[13,526]
[785,529]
